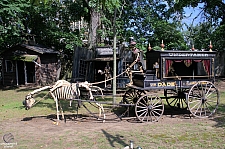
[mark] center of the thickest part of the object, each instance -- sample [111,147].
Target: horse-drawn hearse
[185,77]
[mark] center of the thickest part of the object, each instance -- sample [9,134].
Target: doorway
[26,72]
[30,69]
[103,71]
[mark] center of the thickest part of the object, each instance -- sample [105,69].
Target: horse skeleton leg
[60,106]
[101,109]
[57,109]
[56,104]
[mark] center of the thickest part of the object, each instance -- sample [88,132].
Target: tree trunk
[94,23]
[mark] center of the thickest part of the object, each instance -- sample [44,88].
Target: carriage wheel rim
[149,108]
[131,96]
[203,99]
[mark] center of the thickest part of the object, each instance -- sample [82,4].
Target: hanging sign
[105,50]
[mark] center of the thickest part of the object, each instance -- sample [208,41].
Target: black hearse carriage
[169,69]
[187,78]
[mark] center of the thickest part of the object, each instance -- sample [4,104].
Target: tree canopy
[11,21]
[148,21]
[212,13]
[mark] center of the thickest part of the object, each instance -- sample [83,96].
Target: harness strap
[40,99]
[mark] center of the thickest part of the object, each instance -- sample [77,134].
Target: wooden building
[29,65]
[91,65]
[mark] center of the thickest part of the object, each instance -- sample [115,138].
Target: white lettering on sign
[106,51]
[160,84]
[188,54]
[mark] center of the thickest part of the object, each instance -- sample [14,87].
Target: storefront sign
[105,51]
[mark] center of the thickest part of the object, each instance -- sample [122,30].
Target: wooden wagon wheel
[179,102]
[203,99]
[149,108]
[131,96]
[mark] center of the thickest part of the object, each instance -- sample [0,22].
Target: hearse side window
[192,67]
[9,66]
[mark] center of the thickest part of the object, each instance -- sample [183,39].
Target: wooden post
[114,57]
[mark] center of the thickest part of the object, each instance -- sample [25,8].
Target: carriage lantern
[149,47]
[210,46]
[162,46]
[193,48]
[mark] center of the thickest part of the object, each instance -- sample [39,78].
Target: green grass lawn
[179,133]
[12,107]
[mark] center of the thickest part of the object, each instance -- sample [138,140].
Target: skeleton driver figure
[135,52]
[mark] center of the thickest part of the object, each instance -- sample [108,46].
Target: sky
[192,13]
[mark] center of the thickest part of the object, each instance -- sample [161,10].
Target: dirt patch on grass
[42,131]
[175,129]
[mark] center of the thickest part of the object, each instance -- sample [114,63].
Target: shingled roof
[39,48]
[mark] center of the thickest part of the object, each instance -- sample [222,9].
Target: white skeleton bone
[76,90]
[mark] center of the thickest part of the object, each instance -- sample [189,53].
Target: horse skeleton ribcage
[66,92]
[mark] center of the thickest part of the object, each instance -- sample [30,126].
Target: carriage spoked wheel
[179,102]
[149,108]
[131,96]
[203,99]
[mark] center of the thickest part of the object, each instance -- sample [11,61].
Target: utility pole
[114,57]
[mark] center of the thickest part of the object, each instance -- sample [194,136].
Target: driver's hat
[133,43]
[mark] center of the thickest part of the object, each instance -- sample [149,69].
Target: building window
[9,66]
[83,68]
